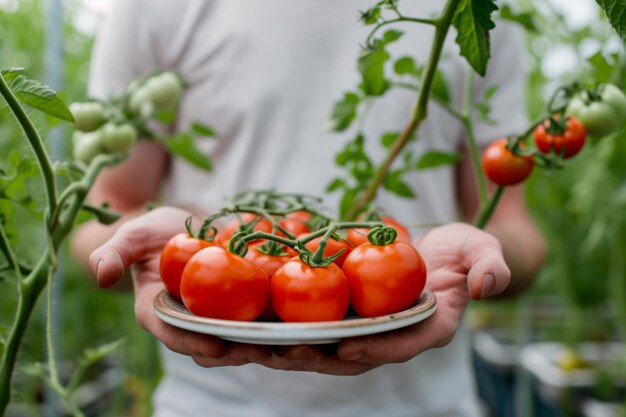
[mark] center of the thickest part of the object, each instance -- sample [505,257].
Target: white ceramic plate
[271,333]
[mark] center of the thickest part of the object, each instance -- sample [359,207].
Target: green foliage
[344,112]
[616,11]
[184,146]
[372,64]
[525,19]
[435,159]
[473,23]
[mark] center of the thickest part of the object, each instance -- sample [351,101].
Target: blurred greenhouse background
[579,298]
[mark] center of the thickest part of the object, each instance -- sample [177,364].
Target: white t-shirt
[264,74]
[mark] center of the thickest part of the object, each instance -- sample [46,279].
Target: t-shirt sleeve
[119,53]
[507,71]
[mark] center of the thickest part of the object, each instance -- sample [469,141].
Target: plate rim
[301,331]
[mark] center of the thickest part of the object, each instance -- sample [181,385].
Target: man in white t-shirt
[264,74]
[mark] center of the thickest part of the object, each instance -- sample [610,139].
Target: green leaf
[603,70]
[434,159]
[389,138]
[336,184]
[484,105]
[37,95]
[165,116]
[203,130]
[440,87]
[184,146]
[9,74]
[347,201]
[372,64]
[616,12]
[344,112]
[405,65]
[472,21]
[394,183]
[526,20]
[370,16]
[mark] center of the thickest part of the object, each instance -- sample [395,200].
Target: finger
[488,273]
[175,339]
[401,345]
[236,354]
[316,359]
[129,244]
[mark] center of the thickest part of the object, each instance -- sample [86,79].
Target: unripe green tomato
[87,145]
[140,102]
[118,138]
[600,117]
[87,116]
[164,90]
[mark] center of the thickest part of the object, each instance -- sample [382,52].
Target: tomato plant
[503,167]
[88,116]
[564,139]
[118,138]
[174,256]
[221,285]
[247,220]
[384,279]
[602,110]
[302,293]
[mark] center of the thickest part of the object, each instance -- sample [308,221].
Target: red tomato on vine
[302,293]
[174,257]
[223,237]
[384,279]
[503,167]
[221,285]
[567,143]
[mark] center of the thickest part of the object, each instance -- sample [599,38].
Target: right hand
[137,244]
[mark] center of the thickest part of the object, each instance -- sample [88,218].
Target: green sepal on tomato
[332,248]
[359,236]
[384,279]
[302,293]
[219,284]
[503,167]
[175,255]
[234,226]
[270,264]
[602,111]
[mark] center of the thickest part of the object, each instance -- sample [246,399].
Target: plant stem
[468,125]
[35,142]
[442,25]
[433,22]
[487,211]
[27,294]
[9,254]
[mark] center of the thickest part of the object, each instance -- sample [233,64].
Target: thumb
[128,245]
[488,273]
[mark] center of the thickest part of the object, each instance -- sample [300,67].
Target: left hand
[463,262]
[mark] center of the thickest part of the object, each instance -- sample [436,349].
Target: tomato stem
[487,211]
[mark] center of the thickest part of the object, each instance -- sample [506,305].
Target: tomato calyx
[382,236]
[272,248]
[206,232]
[555,125]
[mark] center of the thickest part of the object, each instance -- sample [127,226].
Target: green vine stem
[442,25]
[29,289]
[487,211]
[399,19]
[9,254]
[35,142]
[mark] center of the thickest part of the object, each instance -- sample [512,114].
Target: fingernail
[355,356]
[489,284]
[98,265]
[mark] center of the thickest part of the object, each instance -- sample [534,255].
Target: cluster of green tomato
[112,126]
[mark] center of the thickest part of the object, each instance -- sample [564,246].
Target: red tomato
[305,216]
[221,285]
[358,236]
[384,279]
[300,292]
[223,237]
[569,143]
[503,167]
[174,257]
[295,226]
[331,248]
[269,264]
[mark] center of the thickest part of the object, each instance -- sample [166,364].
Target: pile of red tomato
[273,283]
